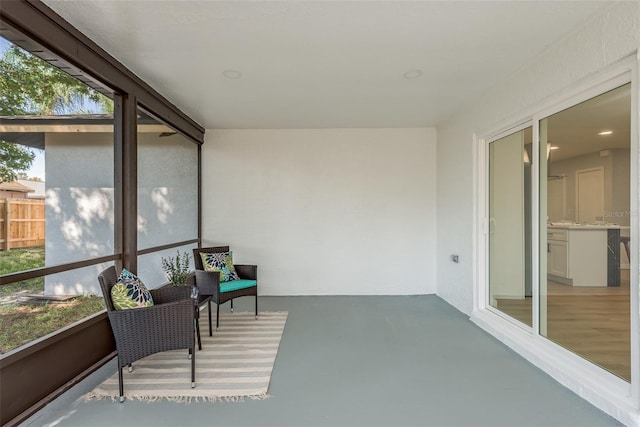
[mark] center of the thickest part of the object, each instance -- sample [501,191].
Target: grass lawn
[22,323]
[19,260]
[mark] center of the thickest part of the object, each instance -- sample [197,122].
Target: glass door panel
[510,225]
[585,229]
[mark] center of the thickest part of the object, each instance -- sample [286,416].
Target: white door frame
[603,389]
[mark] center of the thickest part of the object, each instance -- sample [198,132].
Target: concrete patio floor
[363,361]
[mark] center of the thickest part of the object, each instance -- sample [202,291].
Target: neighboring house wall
[4,194]
[37,186]
[167,200]
[14,190]
[325,211]
[603,40]
[79,208]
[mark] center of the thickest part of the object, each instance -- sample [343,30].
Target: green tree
[13,159]
[30,86]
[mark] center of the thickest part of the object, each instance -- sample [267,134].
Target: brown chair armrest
[191,279]
[208,282]
[168,294]
[246,271]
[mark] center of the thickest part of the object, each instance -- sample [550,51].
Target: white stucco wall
[608,37]
[79,208]
[322,212]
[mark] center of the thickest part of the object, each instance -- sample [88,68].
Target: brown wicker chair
[139,332]
[209,283]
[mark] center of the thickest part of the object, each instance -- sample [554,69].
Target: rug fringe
[180,399]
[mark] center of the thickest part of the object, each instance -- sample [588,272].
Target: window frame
[485,302]
[36,28]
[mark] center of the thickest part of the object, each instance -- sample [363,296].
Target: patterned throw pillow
[130,292]
[222,262]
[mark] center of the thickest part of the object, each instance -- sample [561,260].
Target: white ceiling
[323,64]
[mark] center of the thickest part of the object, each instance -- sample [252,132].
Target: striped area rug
[233,364]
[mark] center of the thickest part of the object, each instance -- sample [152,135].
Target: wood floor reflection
[593,322]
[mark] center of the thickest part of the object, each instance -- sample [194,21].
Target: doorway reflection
[585,299]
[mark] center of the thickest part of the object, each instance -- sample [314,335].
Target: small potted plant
[177,268]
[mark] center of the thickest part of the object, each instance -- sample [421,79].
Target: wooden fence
[22,223]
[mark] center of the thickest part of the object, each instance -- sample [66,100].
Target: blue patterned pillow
[130,292]
[222,262]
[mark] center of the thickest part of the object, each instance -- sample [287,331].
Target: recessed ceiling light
[412,74]
[605,132]
[232,74]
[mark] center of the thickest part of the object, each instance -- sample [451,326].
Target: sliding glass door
[510,225]
[585,229]
[576,203]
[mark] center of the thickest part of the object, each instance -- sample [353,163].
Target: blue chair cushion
[234,285]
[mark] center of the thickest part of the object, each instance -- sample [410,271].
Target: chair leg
[198,333]
[256,307]
[193,371]
[217,316]
[210,328]
[232,306]
[120,382]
